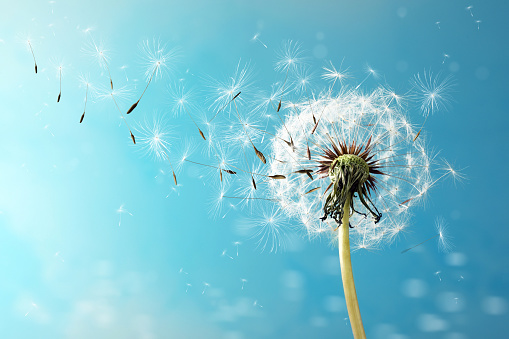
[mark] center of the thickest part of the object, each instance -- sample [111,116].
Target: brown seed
[236,95]
[253,181]
[201,133]
[314,119]
[175,178]
[312,190]
[330,185]
[35,68]
[111,83]
[417,134]
[132,137]
[277,176]
[58,99]
[309,153]
[314,128]
[260,155]
[133,107]
[220,175]
[309,175]
[229,171]
[288,143]
[404,202]
[82,117]
[303,171]
[279,106]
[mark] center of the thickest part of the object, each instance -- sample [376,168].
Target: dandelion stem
[347,274]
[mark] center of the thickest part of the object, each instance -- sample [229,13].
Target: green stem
[347,275]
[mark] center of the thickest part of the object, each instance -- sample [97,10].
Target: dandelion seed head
[157,60]
[289,57]
[433,92]
[154,137]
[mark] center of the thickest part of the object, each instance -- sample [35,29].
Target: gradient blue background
[62,182]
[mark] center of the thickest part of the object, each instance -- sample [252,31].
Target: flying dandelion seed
[59,71]
[124,67]
[437,273]
[116,95]
[444,243]
[257,304]
[187,287]
[180,101]
[289,58]
[224,92]
[29,43]
[182,271]
[100,53]
[433,93]
[205,285]
[256,37]
[438,24]
[236,244]
[478,22]
[370,73]
[32,307]
[469,9]
[121,210]
[446,56]
[83,79]
[157,61]
[155,139]
[243,283]
[224,254]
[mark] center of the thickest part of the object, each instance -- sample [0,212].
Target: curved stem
[347,275]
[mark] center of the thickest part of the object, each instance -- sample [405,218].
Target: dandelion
[154,139]
[344,164]
[157,61]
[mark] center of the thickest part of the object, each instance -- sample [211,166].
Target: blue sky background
[70,269]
